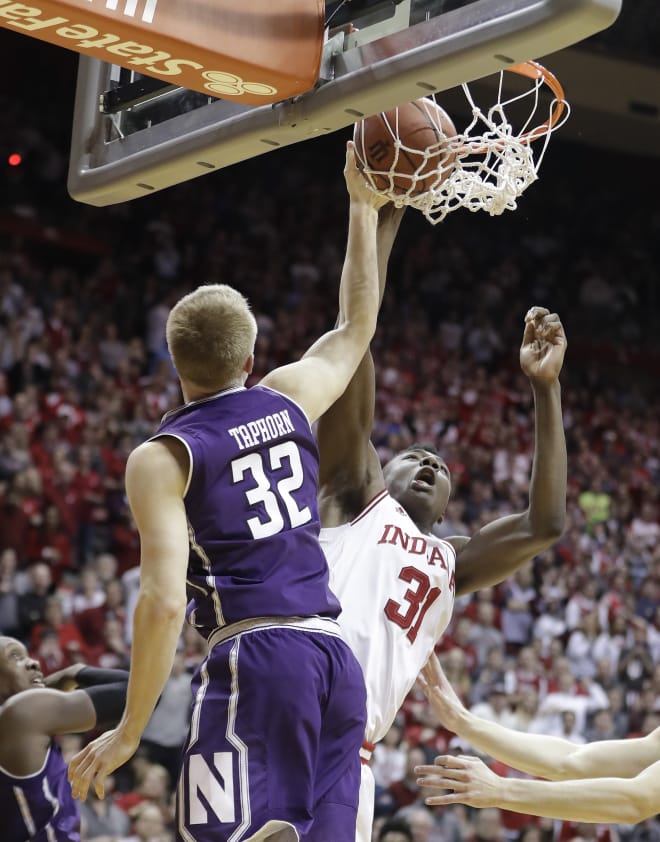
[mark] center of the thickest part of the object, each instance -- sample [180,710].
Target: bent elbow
[555,527]
[361,323]
[549,528]
[364,333]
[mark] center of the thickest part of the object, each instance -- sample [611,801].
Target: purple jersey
[39,807]
[251,508]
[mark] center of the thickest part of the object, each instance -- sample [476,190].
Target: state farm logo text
[84,38]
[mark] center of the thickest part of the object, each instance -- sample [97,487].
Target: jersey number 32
[275,489]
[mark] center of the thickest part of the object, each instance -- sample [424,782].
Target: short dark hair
[395,826]
[422,446]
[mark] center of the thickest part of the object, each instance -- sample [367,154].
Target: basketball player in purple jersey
[224,496]
[35,797]
[396,581]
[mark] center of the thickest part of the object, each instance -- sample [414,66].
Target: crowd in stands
[569,646]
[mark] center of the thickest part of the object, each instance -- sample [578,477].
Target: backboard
[133,135]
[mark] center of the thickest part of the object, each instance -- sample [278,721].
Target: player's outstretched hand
[467,780]
[543,345]
[440,694]
[92,765]
[356,184]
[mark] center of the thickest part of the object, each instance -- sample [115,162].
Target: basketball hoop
[490,163]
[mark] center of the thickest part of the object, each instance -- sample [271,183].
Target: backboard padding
[434,55]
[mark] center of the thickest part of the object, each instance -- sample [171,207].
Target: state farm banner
[254,51]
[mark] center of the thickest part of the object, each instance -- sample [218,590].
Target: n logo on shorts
[204,788]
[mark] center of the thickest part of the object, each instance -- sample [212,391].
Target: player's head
[419,479]
[18,671]
[211,334]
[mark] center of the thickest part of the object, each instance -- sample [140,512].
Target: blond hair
[210,334]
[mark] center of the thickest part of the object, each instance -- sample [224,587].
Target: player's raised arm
[350,473]
[501,547]
[317,380]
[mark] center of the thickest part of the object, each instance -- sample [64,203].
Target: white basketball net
[493,163]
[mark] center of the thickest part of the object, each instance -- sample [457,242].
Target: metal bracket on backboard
[433,55]
[331,49]
[396,23]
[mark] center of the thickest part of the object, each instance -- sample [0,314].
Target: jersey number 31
[418,599]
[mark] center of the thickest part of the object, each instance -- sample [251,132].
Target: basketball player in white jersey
[395,580]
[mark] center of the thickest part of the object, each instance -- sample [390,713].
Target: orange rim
[532,70]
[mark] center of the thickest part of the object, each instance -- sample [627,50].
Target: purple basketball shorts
[277,721]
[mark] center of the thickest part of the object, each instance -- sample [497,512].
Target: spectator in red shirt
[32,603]
[125,543]
[49,539]
[68,636]
[92,621]
[115,653]
[14,523]
[485,595]
[65,495]
[459,637]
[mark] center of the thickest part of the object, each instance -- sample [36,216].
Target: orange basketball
[422,128]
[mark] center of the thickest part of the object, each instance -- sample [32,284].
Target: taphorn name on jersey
[263,429]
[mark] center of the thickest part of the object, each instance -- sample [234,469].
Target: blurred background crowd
[569,646]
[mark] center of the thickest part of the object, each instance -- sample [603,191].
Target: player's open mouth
[424,478]
[38,680]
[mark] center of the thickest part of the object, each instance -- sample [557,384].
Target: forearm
[65,679]
[547,489]
[156,629]
[389,222]
[107,690]
[536,754]
[602,800]
[358,291]
[499,548]
[96,677]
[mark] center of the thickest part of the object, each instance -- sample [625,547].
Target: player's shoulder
[457,542]
[377,507]
[151,449]
[166,453]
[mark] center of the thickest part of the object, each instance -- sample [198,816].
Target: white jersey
[396,588]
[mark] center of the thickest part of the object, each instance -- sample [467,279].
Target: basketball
[422,128]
